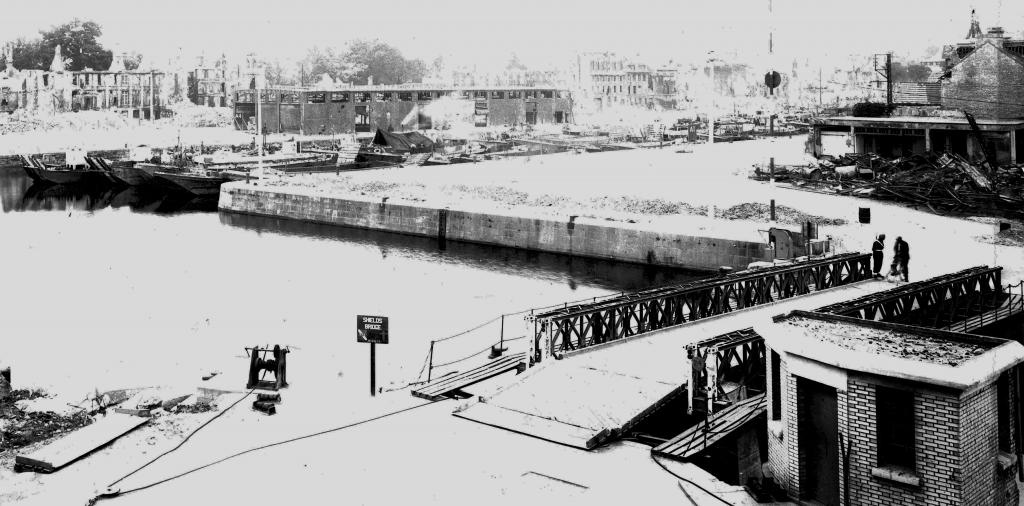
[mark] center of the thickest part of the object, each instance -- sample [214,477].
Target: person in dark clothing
[876,254]
[901,256]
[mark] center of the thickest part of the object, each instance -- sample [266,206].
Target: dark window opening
[497,94]
[424,121]
[380,97]
[480,94]
[339,96]
[424,95]
[268,97]
[316,98]
[405,96]
[515,94]
[531,117]
[465,94]
[531,94]
[559,117]
[776,386]
[895,425]
[547,94]
[362,119]
[362,97]
[1003,402]
[480,120]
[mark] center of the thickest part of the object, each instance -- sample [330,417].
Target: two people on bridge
[900,258]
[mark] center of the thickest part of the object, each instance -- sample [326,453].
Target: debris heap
[944,183]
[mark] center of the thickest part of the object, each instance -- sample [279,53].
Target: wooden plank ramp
[79,443]
[699,437]
[445,387]
[576,406]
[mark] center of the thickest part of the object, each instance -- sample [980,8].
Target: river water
[114,289]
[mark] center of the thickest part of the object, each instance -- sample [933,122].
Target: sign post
[373,330]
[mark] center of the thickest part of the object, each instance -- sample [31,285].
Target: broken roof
[943,358]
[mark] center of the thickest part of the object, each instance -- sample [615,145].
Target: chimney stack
[369,81]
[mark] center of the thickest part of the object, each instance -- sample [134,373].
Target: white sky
[541,32]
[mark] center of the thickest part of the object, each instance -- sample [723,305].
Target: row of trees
[80,47]
[360,60]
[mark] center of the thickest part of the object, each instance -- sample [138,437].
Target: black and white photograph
[512,253]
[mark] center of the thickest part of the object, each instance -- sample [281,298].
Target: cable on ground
[688,481]
[118,493]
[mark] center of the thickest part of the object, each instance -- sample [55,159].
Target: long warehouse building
[364,109]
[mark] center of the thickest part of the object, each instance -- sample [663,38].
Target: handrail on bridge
[655,293]
[859,303]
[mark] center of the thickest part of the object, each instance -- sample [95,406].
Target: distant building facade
[215,85]
[137,94]
[365,108]
[605,79]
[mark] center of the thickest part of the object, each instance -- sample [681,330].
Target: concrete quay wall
[571,236]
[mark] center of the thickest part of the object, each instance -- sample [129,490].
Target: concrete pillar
[927,141]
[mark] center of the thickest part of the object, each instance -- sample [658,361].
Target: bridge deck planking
[695,439]
[440,388]
[575,406]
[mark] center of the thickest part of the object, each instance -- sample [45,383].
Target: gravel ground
[887,342]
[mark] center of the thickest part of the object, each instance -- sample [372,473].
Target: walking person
[902,256]
[877,250]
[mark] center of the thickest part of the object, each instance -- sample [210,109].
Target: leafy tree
[382,61]
[325,61]
[910,72]
[277,75]
[79,45]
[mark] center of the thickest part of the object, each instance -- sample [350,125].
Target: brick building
[865,412]
[983,76]
[365,108]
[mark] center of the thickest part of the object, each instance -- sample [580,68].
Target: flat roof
[937,357]
[919,120]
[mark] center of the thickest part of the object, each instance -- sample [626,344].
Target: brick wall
[984,482]
[987,84]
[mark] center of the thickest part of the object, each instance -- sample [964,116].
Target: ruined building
[983,76]
[135,94]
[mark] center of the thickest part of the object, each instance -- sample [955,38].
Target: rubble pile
[637,205]
[945,183]
[758,211]
[21,121]
[20,427]
[891,343]
[188,115]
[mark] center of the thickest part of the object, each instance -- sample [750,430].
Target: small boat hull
[193,183]
[130,175]
[73,176]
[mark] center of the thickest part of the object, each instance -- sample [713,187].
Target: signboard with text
[372,329]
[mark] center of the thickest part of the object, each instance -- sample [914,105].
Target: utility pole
[711,109]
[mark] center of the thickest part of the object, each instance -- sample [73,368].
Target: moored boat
[195,181]
[68,175]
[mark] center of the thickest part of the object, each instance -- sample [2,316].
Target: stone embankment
[571,235]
